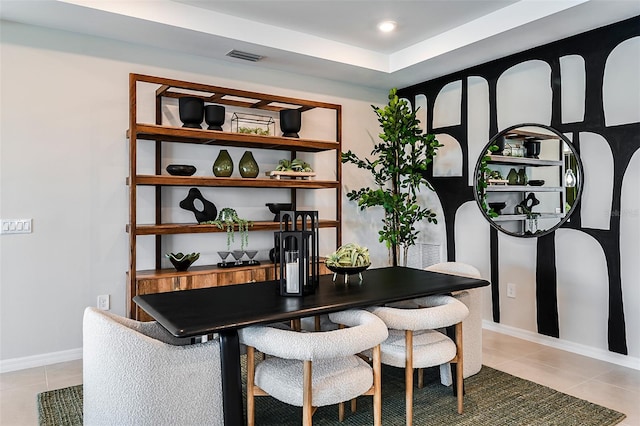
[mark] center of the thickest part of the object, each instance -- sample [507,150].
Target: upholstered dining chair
[137,373]
[313,369]
[415,342]
[471,326]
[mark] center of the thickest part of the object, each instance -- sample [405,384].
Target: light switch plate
[16,226]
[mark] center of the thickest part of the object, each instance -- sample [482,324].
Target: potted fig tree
[398,169]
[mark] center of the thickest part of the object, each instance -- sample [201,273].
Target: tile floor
[600,382]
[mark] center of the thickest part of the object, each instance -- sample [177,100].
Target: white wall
[64,159]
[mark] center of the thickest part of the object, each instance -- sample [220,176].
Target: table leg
[231,380]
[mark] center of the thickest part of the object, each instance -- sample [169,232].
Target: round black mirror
[528,180]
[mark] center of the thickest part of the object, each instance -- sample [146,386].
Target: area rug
[491,398]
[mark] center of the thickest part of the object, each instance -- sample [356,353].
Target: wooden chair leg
[250,386]
[420,378]
[377,388]
[341,412]
[459,367]
[307,409]
[354,405]
[408,377]
[317,322]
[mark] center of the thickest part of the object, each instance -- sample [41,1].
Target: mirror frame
[579,184]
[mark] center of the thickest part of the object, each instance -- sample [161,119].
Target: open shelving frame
[161,134]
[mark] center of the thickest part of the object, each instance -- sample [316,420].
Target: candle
[292,272]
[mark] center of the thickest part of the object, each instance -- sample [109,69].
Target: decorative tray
[276,174]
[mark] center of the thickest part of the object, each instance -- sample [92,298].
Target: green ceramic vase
[248,166]
[223,166]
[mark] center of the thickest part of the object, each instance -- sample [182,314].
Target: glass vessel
[223,166]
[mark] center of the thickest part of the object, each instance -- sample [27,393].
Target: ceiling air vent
[245,56]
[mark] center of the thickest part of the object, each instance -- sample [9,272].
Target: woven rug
[492,398]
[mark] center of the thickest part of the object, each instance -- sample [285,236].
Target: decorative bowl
[276,208]
[347,270]
[536,182]
[182,261]
[181,169]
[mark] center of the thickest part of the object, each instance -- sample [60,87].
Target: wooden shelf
[196,228]
[519,217]
[523,188]
[214,137]
[534,162]
[166,180]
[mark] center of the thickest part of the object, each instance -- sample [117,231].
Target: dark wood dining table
[225,310]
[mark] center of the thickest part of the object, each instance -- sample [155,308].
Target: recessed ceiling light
[387,26]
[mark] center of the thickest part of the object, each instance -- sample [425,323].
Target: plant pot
[533,148]
[290,122]
[191,111]
[248,167]
[223,166]
[214,116]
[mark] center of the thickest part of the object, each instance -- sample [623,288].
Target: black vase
[191,111]
[532,147]
[290,122]
[214,116]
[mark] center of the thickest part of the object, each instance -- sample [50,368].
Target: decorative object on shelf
[532,147]
[399,172]
[297,243]
[276,208]
[529,203]
[498,206]
[181,169]
[512,177]
[522,177]
[251,254]
[228,219]
[248,167]
[191,111]
[570,180]
[290,122]
[536,182]
[349,259]
[209,210]
[223,255]
[182,261]
[238,255]
[261,125]
[295,168]
[214,116]
[484,173]
[223,166]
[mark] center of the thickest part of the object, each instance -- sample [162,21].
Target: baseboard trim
[15,364]
[602,355]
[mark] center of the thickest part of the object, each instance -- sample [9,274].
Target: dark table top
[209,310]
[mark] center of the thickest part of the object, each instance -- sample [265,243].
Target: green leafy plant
[295,165]
[484,173]
[254,130]
[401,160]
[228,220]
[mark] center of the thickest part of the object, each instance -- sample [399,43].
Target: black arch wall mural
[624,140]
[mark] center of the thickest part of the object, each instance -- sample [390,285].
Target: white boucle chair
[471,326]
[326,361]
[136,373]
[414,341]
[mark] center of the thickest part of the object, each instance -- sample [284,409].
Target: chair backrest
[133,373]
[439,311]
[455,268]
[364,331]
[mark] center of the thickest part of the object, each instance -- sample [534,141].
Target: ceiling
[332,39]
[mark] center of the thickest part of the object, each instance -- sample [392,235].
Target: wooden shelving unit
[159,280]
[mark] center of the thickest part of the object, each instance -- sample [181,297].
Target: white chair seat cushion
[333,380]
[430,348]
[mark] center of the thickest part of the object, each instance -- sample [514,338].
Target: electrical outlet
[511,290]
[103,302]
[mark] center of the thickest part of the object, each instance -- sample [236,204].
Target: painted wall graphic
[587,87]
